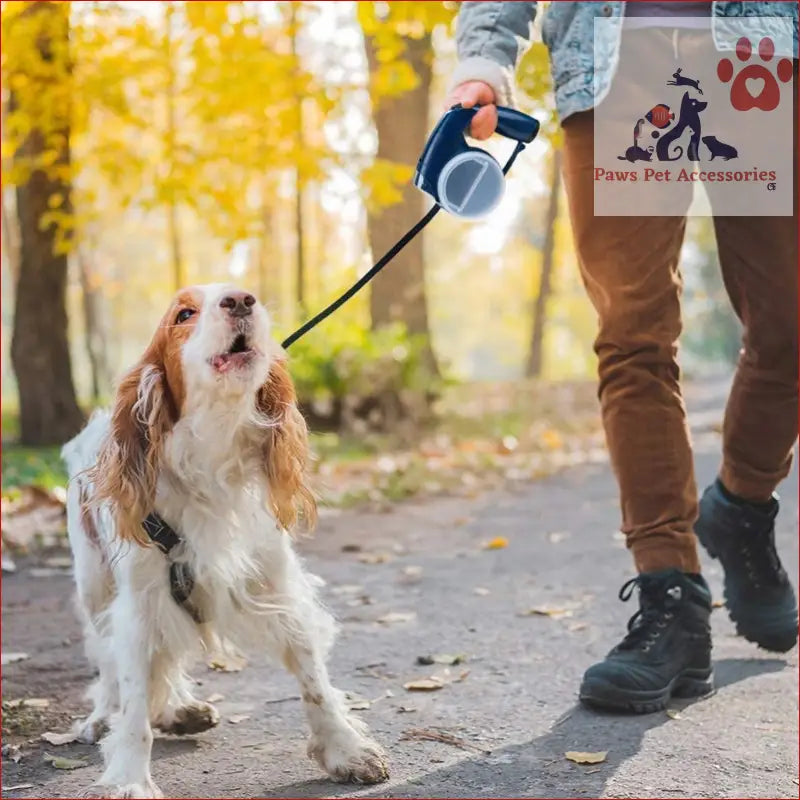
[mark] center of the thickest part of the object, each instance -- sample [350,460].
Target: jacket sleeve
[491,38]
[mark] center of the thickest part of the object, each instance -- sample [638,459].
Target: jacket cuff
[478,68]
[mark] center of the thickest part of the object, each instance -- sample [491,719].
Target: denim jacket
[491,38]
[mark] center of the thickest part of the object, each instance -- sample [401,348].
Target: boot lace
[656,610]
[761,558]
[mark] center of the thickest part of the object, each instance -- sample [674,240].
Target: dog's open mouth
[239,354]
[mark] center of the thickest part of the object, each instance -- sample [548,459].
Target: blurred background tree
[271,144]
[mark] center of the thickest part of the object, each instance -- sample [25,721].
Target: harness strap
[181,579]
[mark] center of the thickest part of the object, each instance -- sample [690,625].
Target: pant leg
[758,256]
[630,268]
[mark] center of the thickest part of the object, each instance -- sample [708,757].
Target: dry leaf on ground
[397,616]
[555,613]
[427,734]
[237,718]
[424,685]
[12,658]
[215,698]
[673,713]
[58,739]
[59,762]
[498,543]
[441,658]
[586,758]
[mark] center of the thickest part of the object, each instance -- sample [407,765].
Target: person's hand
[474,93]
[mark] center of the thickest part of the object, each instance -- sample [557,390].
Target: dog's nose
[239,304]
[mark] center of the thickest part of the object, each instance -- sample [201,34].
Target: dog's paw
[90,731]
[349,757]
[194,718]
[113,790]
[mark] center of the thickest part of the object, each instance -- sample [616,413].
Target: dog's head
[211,362]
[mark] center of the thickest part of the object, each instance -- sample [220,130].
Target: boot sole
[775,635]
[601,694]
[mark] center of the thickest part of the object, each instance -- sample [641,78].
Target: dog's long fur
[211,440]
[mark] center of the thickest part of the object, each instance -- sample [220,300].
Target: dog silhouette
[718,148]
[689,118]
[680,80]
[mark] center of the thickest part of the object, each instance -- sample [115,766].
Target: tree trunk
[398,292]
[49,412]
[536,352]
[94,336]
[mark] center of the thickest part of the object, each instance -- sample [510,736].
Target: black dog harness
[181,579]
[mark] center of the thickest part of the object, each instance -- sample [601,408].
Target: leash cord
[373,271]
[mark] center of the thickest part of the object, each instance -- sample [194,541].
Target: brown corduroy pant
[630,268]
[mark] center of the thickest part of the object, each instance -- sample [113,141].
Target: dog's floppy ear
[285,448]
[127,467]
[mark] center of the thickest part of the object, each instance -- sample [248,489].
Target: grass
[40,466]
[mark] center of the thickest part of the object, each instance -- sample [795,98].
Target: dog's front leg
[127,747]
[339,741]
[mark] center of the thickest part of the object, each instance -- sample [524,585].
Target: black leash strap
[373,271]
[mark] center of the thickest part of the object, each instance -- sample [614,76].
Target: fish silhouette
[659,116]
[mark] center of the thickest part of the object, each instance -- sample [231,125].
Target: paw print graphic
[742,98]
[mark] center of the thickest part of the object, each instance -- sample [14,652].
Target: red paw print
[770,95]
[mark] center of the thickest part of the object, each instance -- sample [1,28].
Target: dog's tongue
[221,362]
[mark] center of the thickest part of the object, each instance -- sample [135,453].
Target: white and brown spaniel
[205,444]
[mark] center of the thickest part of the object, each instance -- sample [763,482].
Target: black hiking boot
[667,650]
[758,594]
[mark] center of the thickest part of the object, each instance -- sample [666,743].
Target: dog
[205,445]
[721,149]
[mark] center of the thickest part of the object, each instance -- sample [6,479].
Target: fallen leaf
[59,762]
[227,663]
[406,709]
[424,685]
[215,698]
[552,439]
[481,591]
[673,713]
[58,739]
[18,786]
[555,613]
[36,702]
[498,543]
[237,718]
[357,703]
[441,658]
[397,616]
[12,752]
[586,758]
[427,734]
[375,558]
[12,658]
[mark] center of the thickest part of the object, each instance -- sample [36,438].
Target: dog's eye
[184,314]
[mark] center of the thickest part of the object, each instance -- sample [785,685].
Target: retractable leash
[466,181]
